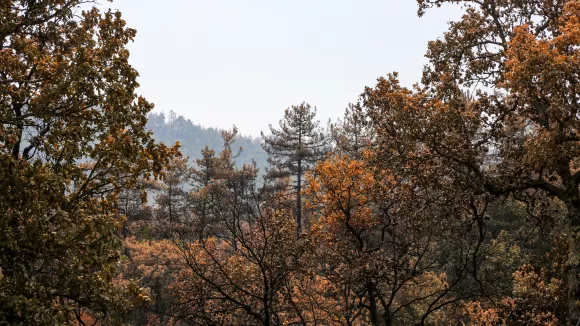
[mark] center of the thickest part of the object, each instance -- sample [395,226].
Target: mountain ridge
[170,128]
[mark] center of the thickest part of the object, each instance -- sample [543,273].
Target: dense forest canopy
[452,202]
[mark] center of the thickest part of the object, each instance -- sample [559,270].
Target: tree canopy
[455,201]
[72,135]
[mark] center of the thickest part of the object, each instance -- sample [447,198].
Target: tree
[351,135]
[514,138]
[132,203]
[72,135]
[533,302]
[210,180]
[155,266]
[381,242]
[241,279]
[295,147]
[239,259]
[172,199]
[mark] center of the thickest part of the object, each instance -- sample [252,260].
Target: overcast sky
[242,62]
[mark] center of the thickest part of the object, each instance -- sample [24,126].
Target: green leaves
[72,135]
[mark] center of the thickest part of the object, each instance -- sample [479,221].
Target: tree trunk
[574,265]
[299,200]
[20,125]
[573,281]
[373,305]
[170,199]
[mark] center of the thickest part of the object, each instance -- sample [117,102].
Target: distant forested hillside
[169,128]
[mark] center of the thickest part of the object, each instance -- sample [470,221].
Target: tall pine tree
[295,147]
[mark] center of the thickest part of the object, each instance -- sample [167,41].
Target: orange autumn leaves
[375,258]
[261,273]
[532,303]
[546,60]
[344,189]
[541,71]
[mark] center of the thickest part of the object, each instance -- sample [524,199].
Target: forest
[452,202]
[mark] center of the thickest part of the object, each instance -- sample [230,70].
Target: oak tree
[72,135]
[515,136]
[386,246]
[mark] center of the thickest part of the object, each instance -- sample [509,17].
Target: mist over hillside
[170,128]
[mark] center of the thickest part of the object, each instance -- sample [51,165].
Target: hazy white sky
[242,62]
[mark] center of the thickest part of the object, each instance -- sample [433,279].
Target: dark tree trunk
[17,108]
[574,265]
[299,199]
[373,305]
[169,202]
